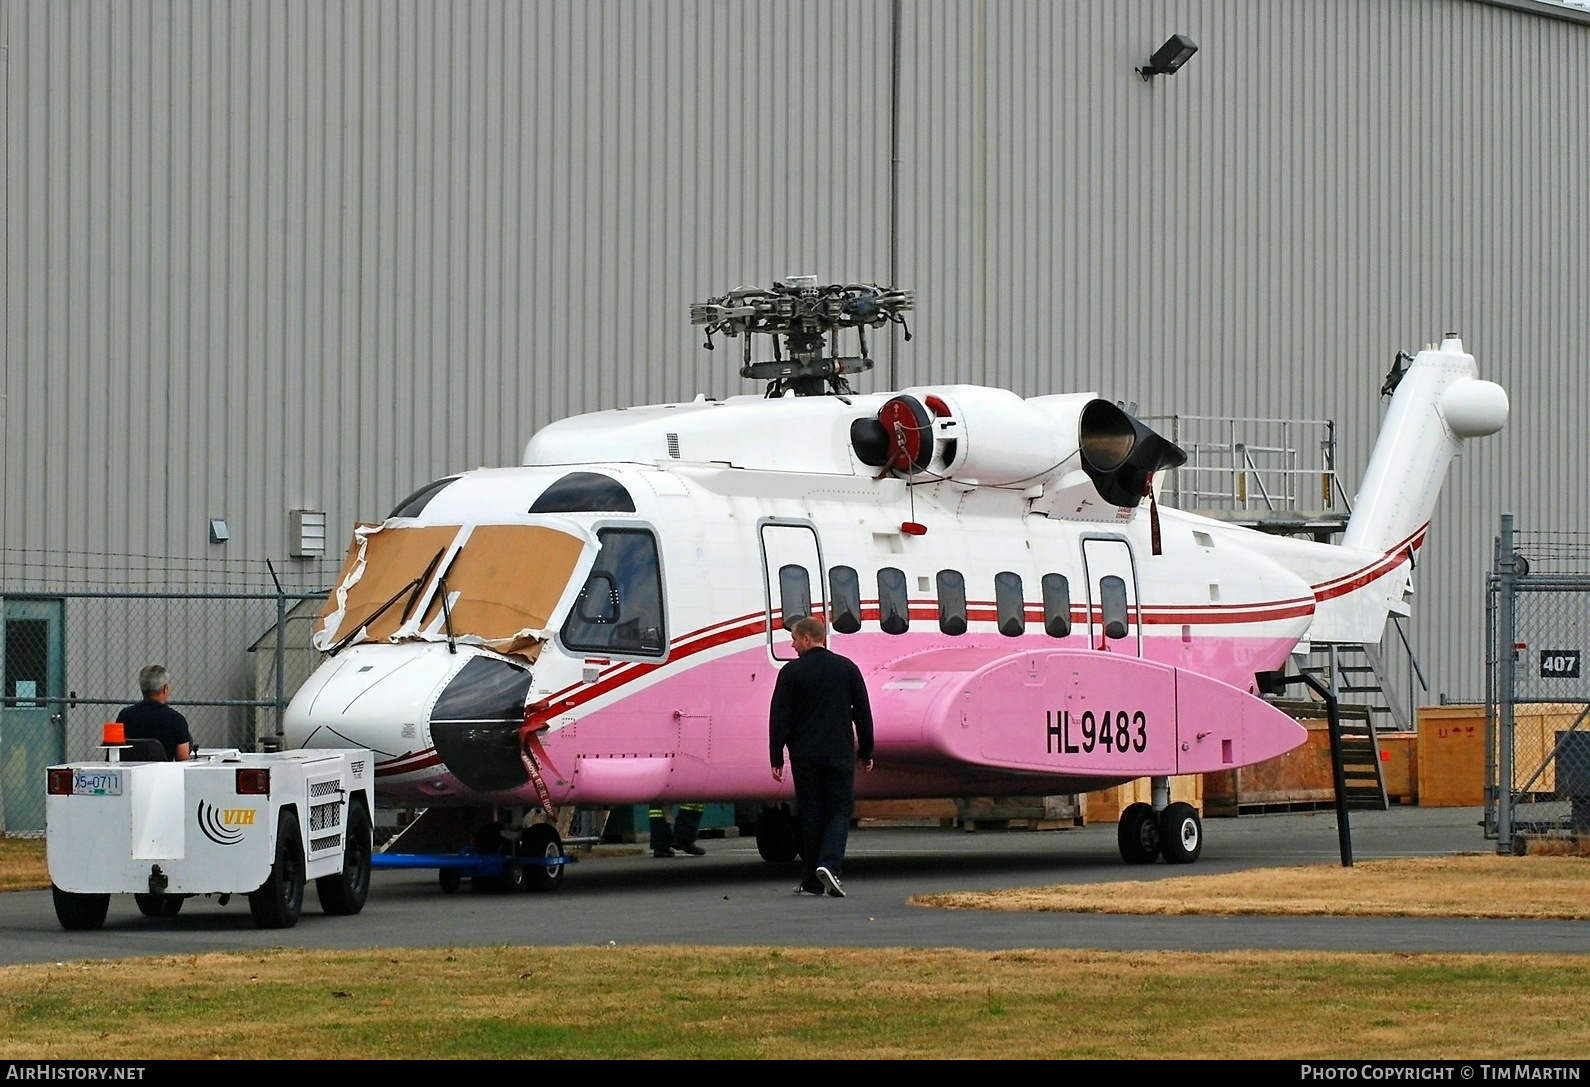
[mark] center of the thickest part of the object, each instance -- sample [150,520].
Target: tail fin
[1438,402]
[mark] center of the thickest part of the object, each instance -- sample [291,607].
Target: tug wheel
[343,893]
[79,912]
[158,905]
[280,898]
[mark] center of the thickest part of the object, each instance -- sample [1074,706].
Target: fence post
[1507,657]
[281,648]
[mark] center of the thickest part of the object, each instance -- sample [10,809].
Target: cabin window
[952,602]
[1056,605]
[844,587]
[1112,598]
[414,503]
[584,492]
[1008,601]
[620,607]
[894,606]
[794,593]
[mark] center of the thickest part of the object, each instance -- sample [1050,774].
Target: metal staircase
[1365,785]
[1363,674]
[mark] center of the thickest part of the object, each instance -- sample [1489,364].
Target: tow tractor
[223,823]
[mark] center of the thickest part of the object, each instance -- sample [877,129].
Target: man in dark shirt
[821,713]
[152,719]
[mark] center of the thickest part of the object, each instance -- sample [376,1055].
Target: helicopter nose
[475,725]
[371,696]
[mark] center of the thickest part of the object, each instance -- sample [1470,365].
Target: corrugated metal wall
[300,254]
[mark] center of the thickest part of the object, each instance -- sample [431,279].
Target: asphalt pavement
[731,897]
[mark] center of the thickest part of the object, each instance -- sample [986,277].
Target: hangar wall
[310,255]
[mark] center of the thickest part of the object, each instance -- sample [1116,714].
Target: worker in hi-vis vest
[682,836]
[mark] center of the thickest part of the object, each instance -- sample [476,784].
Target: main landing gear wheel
[1138,835]
[778,835]
[79,912]
[541,841]
[280,898]
[1181,834]
[158,905]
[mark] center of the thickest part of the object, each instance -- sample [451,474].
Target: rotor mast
[804,321]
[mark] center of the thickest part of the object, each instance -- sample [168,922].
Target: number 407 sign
[1559,664]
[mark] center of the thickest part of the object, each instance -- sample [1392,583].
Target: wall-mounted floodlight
[1168,58]
[219,533]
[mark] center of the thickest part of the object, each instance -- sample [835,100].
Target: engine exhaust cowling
[1120,453]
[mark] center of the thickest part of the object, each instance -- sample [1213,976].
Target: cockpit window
[502,584]
[414,503]
[585,492]
[620,607]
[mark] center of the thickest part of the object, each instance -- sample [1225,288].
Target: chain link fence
[1537,689]
[71,660]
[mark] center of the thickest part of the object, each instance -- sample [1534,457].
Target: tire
[79,912]
[343,894]
[449,880]
[778,836]
[159,905]
[1138,835]
[280,899]
[1181,834]
[541,841]
[487,838]
[513,876]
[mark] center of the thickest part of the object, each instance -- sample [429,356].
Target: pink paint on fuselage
[696,729]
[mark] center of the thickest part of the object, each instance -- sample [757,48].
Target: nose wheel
[542,850]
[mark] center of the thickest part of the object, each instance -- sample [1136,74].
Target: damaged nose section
[475,725]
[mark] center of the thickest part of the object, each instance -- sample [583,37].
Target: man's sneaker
[692,849]
[660,854]
[803,890]
[831,881]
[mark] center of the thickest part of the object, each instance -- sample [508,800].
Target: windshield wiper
[412,589]
[447,611]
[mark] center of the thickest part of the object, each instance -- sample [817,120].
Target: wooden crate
[1451,756]
[1106,805]
[1536,726]
[1304,778]
[1399,766]
[906,813]
[1032,812]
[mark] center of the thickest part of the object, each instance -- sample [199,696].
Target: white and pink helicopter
[603,624]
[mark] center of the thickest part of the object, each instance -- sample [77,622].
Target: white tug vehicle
[223,823]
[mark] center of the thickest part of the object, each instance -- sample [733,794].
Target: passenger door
[792,580]
[1112,595]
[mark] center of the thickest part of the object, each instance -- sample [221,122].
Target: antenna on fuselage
[809,319]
